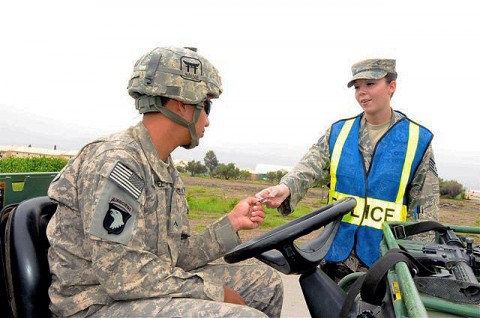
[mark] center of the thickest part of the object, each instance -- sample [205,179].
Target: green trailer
[16,187]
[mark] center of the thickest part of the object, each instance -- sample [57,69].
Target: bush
[31,164]
[181,169]
[195,167]
[275,176]
[451,189]
[245,175]
[229,171]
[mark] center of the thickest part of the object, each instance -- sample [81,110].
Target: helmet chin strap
[194,140]
[155,103]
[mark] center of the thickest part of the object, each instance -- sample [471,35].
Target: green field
[212,203]
[209,199]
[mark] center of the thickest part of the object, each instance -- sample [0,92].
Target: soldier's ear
[392,86]
[176,106]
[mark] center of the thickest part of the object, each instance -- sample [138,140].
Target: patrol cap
[372,69]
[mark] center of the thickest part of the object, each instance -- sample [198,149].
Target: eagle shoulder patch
[116,216]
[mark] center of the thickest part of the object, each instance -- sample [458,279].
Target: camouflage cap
[178,73]
[371,69]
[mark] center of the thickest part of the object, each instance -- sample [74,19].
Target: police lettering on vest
[377,214]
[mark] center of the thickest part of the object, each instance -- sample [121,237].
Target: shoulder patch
[126,179]
[115,218]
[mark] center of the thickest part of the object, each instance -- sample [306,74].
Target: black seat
[25,248]
[4,299]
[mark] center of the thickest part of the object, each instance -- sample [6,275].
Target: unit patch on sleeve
[117,216]
[128,180]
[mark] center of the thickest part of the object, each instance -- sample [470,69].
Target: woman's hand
[272,197]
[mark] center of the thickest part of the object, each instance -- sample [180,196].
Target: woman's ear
[392,86]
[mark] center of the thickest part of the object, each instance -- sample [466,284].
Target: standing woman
[380,157]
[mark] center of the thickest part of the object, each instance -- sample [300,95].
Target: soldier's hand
[274,196]
[247,214]
[232,297]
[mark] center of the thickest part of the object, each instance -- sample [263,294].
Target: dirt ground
[451,211]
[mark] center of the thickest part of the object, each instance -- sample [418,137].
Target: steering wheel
[277,249]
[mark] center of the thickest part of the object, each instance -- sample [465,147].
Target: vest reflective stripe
[414,135]
[337,151]
[377,212]
[380,192]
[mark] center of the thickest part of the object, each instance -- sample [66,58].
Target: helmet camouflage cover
[177,73]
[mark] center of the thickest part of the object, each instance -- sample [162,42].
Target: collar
[159,167]
[396,116]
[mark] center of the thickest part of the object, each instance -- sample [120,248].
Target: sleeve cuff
[226,236]
[285,208]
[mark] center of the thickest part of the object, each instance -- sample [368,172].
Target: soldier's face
[374,95]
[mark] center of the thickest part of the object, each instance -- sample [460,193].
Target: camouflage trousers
[337,271]
[259,285]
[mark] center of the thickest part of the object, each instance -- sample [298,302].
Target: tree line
[210,166]
[227,171]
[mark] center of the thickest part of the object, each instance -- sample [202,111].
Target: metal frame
[407,300]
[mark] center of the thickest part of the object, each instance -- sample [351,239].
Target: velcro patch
[191,68]
[128,180]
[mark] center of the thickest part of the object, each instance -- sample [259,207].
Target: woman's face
[374,95]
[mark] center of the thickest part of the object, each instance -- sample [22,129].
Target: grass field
[211,198]
[211,203]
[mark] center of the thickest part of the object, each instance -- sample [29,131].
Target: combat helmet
[177,73]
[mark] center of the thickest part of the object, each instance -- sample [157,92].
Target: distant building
[261,170]
[179,163]
[28,151]
[472,195]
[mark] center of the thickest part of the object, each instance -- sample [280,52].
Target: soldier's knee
[251,312]
[275,279]
[274,285]
[247,312]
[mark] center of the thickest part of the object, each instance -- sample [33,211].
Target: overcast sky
[65,65]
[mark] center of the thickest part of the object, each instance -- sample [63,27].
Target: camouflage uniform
[314,169]
[120,243]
